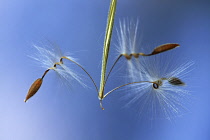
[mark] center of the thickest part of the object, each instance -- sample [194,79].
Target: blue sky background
[78,27]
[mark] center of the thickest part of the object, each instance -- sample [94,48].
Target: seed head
[51,57]
[165,95]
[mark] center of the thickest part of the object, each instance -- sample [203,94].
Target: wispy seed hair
[170,98]
[49,55]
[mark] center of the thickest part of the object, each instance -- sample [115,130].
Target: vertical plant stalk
[107,40]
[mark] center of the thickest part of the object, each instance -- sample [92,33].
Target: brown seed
[163,48]
[33,89]
[176,81]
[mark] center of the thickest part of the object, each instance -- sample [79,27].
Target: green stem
[107,40]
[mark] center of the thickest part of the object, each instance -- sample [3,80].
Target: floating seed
[163,48]
[176,81]
[34,88]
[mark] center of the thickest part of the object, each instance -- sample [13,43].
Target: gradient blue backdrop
[77,26]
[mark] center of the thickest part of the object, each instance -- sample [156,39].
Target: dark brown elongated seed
[176,81]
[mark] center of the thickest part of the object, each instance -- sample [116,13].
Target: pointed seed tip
[177,45]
